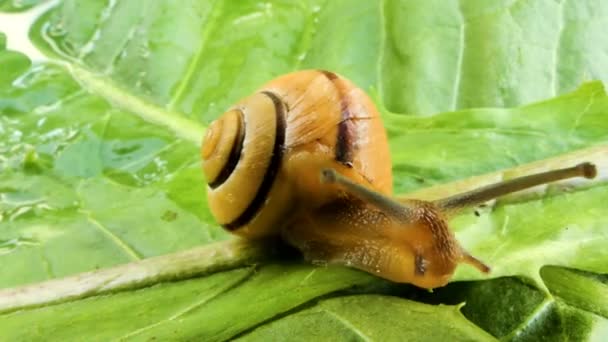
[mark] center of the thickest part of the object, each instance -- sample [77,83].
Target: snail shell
[262,157]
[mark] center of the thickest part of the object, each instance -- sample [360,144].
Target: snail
[306,158]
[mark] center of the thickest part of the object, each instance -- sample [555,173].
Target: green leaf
[371,318]
[501,53]
[514,310]
[158,49]
[76,174]
[567,285]
[176,310]
[99,167]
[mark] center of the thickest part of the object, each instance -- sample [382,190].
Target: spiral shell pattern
[242,154]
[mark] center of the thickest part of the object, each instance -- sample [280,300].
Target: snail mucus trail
[306,158]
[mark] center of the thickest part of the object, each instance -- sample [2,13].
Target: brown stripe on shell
[346,127]
[273,167]
[235,156]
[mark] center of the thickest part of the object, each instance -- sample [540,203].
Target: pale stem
[219,256]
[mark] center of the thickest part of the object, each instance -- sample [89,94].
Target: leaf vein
[349,325]
[113,237]
[210,25]
[560,33]
[459,62]
[226,288]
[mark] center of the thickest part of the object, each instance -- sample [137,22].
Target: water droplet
[105,14]
[17,3]
[68,47]
[57,29]
[144,50]
[15,137]
[20,211]
[45,109]
[8,246]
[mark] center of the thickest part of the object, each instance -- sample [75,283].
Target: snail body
[306,157]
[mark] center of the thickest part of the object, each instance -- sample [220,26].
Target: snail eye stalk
[486,193]
[389,206]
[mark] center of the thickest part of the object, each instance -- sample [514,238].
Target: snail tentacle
[486,193]
[400,211]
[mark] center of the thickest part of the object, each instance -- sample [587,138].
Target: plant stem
[219,256]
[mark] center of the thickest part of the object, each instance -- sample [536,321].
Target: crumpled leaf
[514,310]
[91,177]
[212,308]
[371,318]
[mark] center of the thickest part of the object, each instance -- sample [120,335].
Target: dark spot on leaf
[32,162]
[477,213]
[169,216]
[126,149]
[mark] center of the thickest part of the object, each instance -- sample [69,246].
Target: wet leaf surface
[99,165]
